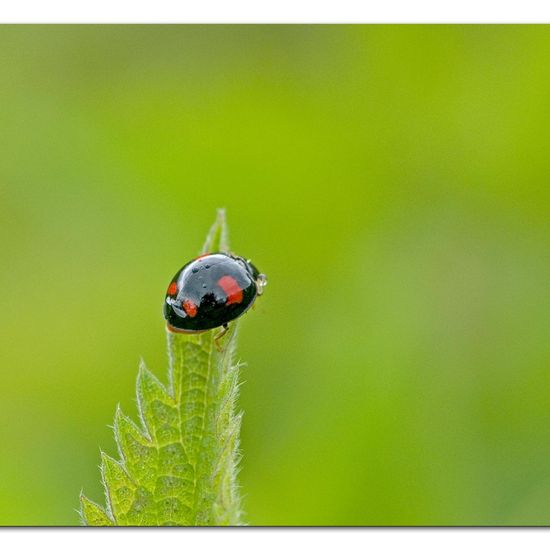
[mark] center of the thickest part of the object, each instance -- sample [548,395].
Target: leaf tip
[106,461]
[220,215]
[217,239]
[92,514]
[116,423]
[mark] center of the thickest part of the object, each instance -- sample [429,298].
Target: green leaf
[93,514]
[217,239]
[180,466]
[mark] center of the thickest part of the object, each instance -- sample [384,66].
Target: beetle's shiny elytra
[210,291]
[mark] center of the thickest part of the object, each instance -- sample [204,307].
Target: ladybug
[210,291]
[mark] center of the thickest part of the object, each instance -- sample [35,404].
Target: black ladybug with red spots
[210,291]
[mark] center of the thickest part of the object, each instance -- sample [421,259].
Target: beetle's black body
[210,291]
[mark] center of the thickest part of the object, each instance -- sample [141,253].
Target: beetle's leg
[225,328]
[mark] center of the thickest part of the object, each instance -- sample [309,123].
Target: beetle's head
[259,278]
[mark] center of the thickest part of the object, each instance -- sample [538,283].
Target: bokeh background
[392,181]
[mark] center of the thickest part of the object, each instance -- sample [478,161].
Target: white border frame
[275,11]
[275,539]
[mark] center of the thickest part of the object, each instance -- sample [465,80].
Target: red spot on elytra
[172,289]
[189,307]
[232,289]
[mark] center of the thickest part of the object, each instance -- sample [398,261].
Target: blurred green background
[392,181]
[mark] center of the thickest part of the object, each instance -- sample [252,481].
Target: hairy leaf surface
[178,465]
